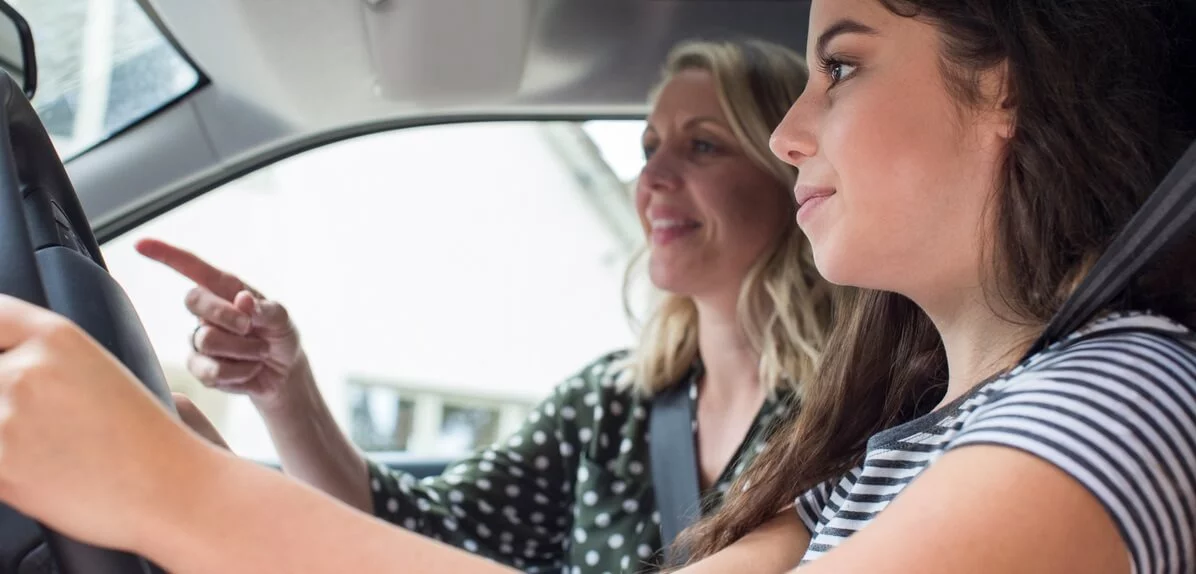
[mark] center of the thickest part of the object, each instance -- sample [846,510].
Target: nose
[660,172]
[793,140]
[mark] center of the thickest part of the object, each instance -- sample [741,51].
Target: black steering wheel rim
[29,165]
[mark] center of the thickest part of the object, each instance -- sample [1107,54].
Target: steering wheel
[49,257]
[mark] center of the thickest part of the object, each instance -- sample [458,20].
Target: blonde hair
[784,306]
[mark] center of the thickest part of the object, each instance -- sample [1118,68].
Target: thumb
[255,308]
[264,312]
[197,421]
[245,303]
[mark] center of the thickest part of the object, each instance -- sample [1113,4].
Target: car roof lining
[320,64]
[287,71]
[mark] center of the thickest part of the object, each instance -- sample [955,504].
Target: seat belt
[1167,216]
[674,466]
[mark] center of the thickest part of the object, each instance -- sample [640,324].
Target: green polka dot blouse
[571,491]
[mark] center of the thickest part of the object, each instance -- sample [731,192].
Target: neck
[980,341]
[732,366]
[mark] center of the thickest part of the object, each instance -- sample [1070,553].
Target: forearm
[239,517]
[310,444]
[774,547]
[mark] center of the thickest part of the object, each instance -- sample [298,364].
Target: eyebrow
[700,120]
[693,122]
[839,28]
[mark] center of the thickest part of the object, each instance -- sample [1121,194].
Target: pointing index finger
[191,266]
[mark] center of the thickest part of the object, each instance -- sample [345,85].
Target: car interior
[189,99]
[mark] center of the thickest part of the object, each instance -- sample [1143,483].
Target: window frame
[165,201]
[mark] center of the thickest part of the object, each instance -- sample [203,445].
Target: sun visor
[441,51]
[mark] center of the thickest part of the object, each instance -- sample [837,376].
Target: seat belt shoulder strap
[674,465]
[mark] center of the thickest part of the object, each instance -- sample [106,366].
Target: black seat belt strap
[674,465]
[1167,216]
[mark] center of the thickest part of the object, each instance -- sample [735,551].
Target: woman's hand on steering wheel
[84,447]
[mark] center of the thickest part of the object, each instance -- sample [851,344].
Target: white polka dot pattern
[570,491]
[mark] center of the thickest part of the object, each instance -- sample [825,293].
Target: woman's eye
[839,71]
[649,150]
[702,146]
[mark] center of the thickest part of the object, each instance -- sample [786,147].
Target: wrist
[293,396]
[173,508]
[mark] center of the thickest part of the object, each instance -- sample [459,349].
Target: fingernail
[243,323]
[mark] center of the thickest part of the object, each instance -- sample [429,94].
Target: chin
[675,279]
[664,280]
[838,266]
[865,271]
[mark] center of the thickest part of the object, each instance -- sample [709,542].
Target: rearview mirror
[16,49]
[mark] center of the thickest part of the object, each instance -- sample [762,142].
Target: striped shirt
[1113,405]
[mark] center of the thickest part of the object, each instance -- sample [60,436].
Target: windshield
[102,66]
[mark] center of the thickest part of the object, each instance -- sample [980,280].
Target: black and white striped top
[1113,405]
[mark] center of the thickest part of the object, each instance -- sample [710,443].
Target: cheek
[895,159]
[891,151]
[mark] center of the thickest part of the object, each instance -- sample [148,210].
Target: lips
[804,193]
[667,224]
[670,224]
[808,199]
[663,218]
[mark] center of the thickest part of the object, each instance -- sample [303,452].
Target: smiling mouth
[668,224]
[667,230]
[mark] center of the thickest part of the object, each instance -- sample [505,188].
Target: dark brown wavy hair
[1097,88]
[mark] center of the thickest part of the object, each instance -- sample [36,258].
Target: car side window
[443,278]
[104,66]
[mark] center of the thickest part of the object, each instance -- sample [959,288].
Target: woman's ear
[996,103]
[1006,99]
